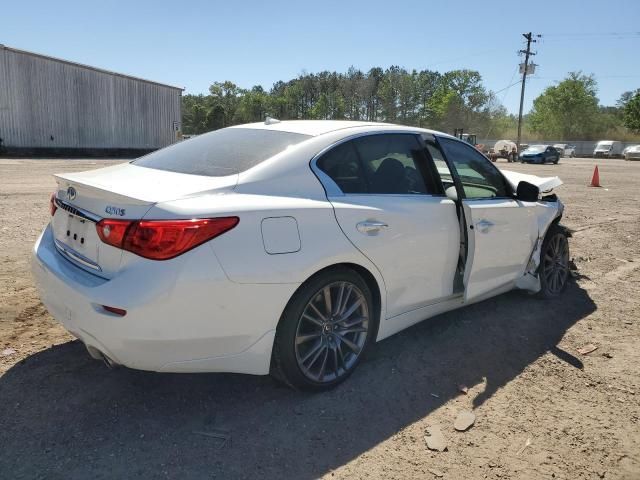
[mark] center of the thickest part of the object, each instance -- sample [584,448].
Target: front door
[501,230]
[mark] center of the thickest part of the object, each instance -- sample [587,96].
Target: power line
[508,87]
[594,34]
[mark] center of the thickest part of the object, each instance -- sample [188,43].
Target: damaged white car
[289,247]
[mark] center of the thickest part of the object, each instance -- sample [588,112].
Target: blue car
[540,154]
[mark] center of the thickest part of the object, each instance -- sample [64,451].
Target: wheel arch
[369,278]
[364,273]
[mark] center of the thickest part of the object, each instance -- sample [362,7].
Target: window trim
[332,189]
[458,181]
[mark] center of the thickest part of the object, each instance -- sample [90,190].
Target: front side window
[378,164]
[479,178]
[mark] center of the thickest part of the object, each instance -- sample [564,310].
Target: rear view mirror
[527,192]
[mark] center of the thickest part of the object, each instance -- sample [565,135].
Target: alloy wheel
[332,332]
[555,266]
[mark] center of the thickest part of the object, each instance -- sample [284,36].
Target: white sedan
[289,247]
[565,149]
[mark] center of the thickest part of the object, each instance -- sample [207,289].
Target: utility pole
[527,54]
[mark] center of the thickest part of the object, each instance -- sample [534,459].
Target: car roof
[320,127]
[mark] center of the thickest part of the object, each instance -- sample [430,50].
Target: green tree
[625,97]
[567,110]
[632,113]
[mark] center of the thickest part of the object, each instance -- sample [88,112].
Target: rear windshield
[222,152]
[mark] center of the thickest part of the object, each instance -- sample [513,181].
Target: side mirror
[527,192]
[452,193]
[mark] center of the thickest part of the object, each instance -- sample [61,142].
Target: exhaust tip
[98,355]
[109,362]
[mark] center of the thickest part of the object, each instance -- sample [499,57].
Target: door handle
[371,227]
[484,225]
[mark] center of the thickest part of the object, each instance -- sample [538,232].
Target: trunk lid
[122,191]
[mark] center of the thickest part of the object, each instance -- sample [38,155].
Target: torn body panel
[545,184]
[547,212]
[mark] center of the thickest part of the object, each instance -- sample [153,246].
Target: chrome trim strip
[75,256]
[78,212]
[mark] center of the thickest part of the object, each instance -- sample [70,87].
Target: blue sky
[193,44]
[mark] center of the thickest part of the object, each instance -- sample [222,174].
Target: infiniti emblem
[71,193]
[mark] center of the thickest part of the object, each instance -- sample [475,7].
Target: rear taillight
[112,231]
[52,204]
[162,239]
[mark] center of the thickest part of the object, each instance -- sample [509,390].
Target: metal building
[48,104]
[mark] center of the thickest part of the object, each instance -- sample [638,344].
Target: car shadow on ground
[63,415]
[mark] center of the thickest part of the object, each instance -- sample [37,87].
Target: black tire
[554,263]
[286,359]
[556,160]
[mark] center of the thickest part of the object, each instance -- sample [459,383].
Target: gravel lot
[543,410]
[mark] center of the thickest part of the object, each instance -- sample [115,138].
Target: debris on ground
[464,421]
[436,473]
[587,349]
[623,389]
[435,439]
[526,444]
[7,351]
[463,389]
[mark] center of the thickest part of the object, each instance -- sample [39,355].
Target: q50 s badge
[115,210]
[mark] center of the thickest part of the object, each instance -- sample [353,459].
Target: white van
[608,149]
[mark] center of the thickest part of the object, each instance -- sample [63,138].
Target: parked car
[565,149]
[289,247]
[540,154]
[607,149]
[632,152]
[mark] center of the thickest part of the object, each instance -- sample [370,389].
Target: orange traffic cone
[595,180]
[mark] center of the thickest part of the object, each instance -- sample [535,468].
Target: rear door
[387,203]
[501,230]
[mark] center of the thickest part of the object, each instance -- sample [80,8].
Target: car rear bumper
[183,315]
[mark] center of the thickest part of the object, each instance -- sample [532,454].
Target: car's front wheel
[324,331]
[554,262]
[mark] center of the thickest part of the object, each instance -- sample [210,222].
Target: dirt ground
[543,410]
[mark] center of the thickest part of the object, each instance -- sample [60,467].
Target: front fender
[548,213]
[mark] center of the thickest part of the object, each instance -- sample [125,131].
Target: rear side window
[222,152]
[343,166]
[377,164]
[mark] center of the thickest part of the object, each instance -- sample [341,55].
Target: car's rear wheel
[554,263]
[557,159]
[324,331]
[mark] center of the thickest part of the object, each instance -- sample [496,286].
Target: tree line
[425,98]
